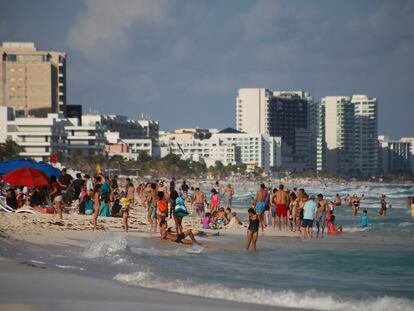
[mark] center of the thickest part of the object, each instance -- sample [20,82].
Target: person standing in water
[320,214]
[309,213]
[282,202]
[252,230]
[355,205]
[261,197]
[338,201]
[364,219]
[228,196]
[383,208]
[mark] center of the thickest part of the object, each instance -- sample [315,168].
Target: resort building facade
[32,82]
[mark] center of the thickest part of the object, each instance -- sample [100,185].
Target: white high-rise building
[291,115]
[410,140]
[339,133]
[395,155]
[366,133]
[252,109]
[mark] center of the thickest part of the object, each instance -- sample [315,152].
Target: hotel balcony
[86,137]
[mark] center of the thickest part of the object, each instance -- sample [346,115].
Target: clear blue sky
[181,62]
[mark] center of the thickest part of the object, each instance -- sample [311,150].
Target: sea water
[364,269]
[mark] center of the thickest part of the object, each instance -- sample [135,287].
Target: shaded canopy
[10,165]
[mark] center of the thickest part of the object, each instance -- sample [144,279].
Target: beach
[48,265]
[30,287]
[28,284]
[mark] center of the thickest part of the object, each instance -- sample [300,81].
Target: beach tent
[10,165]
[26,177]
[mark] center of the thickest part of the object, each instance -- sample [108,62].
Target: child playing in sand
[228,214]
[234,221]
[206,220]
[364,219]
[220,220]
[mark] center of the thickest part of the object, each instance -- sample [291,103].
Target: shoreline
[29,287]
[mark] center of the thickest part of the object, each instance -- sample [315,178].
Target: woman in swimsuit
[355,206]
[252,230]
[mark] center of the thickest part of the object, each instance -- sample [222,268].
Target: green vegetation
[9,150]
[170,165]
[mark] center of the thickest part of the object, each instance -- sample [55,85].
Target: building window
[11,58]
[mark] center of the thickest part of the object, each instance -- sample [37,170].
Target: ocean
[363,269]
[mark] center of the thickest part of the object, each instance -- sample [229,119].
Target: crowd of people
[100,195]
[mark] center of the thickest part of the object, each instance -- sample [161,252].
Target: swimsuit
[180,237]
[227,198]
[281,210]
[254,225]
[260,207]
[199,207]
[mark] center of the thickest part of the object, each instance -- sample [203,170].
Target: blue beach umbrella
[10,165]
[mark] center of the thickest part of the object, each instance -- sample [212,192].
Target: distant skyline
[181,62]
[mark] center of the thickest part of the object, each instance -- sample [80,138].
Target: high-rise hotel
[32,82]
[351,130]
[291,115]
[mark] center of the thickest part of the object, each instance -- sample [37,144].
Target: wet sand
[26,286]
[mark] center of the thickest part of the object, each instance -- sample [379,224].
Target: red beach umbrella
[29,177]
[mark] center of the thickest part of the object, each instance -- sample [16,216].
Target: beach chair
[4,207]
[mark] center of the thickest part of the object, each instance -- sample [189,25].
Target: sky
[181,62]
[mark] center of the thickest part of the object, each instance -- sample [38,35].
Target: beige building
[32,82]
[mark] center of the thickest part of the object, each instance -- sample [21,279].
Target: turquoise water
[363,269]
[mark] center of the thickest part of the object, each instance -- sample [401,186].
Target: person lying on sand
[167,235]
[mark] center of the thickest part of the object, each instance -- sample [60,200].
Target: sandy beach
[27,285]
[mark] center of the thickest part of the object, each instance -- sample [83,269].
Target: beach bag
[180,209]
[105,191]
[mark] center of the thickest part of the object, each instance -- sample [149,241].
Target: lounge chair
[4,207]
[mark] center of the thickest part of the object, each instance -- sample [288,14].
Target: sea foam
[106,246]
[311,299]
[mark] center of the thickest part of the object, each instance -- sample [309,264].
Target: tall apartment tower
[320,137]
[252,110]
[32,82]
[366,133]
[339,133]
[284,114]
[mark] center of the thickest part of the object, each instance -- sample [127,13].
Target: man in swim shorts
[282,202]
[261,197]
[309,212]
[199,198]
